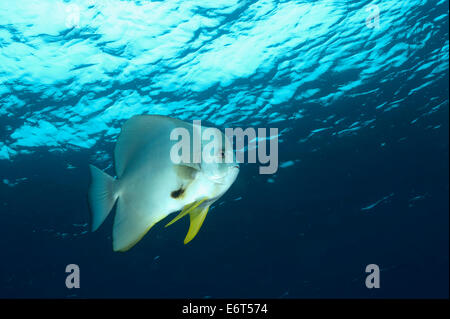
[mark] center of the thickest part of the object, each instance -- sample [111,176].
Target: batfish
[150,185]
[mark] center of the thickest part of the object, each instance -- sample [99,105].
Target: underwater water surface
[357,89]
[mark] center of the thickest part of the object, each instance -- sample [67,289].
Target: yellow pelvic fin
[197,216]
[186,210]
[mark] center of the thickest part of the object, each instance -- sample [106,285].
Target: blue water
[362,113]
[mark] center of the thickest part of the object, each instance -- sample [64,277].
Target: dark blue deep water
[360,101]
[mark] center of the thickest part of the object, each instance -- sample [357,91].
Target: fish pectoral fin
[186,210]
[197,216]
[193,166]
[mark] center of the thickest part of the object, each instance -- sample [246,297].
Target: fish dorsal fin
[138,133]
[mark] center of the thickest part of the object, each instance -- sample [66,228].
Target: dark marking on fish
[178,193]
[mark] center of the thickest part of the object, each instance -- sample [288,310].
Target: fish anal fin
[133,243]
[131,223]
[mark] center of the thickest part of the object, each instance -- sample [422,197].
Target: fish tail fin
[101,196]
